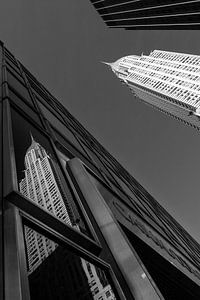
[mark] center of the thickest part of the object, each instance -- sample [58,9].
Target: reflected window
[54,272]
[62,132]
[39,176]
[17,100]
[14,67]
[66,137]
[18,85]
[109,196]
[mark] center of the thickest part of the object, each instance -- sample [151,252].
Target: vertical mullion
[9,167]
[32,96]
[16,280]
[1,183]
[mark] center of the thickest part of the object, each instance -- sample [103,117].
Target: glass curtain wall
[52,244]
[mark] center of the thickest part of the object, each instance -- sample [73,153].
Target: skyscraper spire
[115,66]
[32,139]
[106,63]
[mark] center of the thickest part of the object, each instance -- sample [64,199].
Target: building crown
[38,151]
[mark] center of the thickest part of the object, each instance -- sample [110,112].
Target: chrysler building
[42,186]
[168,81]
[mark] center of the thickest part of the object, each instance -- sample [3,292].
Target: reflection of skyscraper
[98,283]
[168,81]
[60,276]
[38,248]
[63,274]
[41,185]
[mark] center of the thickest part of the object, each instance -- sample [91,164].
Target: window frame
[12,194]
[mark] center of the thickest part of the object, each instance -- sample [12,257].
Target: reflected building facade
[75,278]
[149,14]
[73,222]
[168,81]
[41,185]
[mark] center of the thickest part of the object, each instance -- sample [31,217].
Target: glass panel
[54,272]
[39,176]
[39,94]
[60,127]
[15,75]
[98,164]
[36,89]
[19,102]
[14,67]
[74,146]
[94,163]
[109,196]
[172,283]
[18,86]
[17,94]
[9,55]
[95,159]
[123,186]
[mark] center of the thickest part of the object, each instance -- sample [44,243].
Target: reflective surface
[39,176]
[18,85]
[130,266]
[17,100]
[56,120]
[56,273]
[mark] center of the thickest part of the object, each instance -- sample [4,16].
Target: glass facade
[61,232]
[151,14]
[54,272]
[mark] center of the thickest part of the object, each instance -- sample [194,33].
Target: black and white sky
[63,43]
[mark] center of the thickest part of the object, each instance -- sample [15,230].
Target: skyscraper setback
[168,81]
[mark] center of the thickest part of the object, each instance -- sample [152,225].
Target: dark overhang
[149,14]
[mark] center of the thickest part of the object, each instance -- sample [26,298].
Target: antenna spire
[32,139]
[106,63]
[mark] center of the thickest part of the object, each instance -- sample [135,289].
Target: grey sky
[62,44]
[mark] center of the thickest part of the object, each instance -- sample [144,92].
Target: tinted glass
[74,147]
[39,94]
[19,102]
[122,185]
[99,165]
[18,86]
[56,273]
[61,127]
[14,67]
[109,196]
[172,283]
[39,176]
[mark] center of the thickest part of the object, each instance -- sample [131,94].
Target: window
[18,85]
[17,100]
[39,176]
[13,66]
[55,272]
[61,128]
